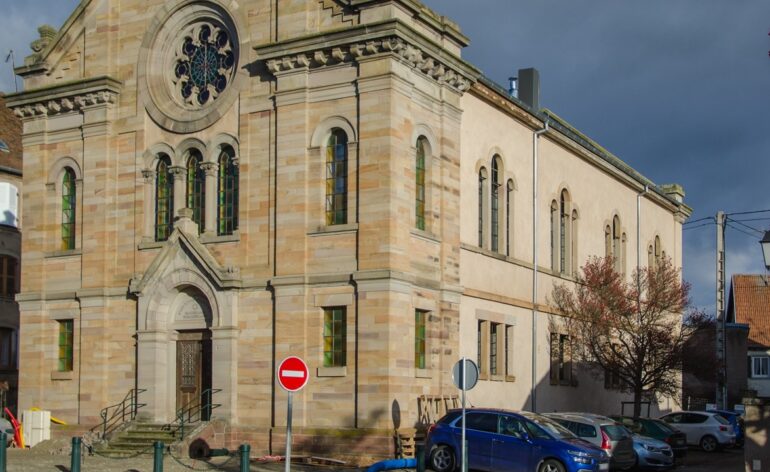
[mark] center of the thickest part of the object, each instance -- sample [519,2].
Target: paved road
[730,460]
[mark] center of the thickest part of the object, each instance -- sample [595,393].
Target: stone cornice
[354,44]
[64,98]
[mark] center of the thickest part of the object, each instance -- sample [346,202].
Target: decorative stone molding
[210,168]
[409,53]
[148,175]
[70,98]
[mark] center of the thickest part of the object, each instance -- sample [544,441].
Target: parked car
[710,431]
[603,432]
[652,453]
[510,441]
[736,420]
[656,429]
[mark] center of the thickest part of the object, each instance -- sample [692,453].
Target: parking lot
[730,460]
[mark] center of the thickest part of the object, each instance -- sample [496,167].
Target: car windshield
[553,428]
[721,419]
[660,426]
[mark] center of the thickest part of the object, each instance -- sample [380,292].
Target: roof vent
[529,87]
[513,89]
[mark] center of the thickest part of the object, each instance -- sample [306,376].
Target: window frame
[68,209]
[228,192]
[756,367]
[335,337]
[337,180]
[420,339]
[420,187]
[66,345]
[164,198]
[495,184]
[9,277]
[196,188]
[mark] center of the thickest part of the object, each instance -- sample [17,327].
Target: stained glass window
[420,185]
[337,178]
[419,338]
[196,188]
[164,199]
[68,209]
[227,202]
[335,337]
[204,65]
[66,343]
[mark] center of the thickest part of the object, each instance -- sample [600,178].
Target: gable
[750,304]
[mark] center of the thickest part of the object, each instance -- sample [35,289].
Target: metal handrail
[194,412]
[115,415]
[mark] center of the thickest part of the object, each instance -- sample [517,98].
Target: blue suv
[510,441]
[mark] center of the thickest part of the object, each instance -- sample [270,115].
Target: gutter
[535,155]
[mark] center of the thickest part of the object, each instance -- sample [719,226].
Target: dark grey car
[603,432]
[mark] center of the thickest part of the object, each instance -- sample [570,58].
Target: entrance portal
[193,374]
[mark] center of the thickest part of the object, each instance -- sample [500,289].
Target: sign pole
[288,434]
[465,451]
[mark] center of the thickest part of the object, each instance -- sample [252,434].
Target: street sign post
[465,374]
[292,375]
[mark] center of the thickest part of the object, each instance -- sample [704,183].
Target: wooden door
[193,372]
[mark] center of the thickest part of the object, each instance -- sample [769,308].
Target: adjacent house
[749,304]
[213,186]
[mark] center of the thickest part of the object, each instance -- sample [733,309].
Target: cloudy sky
[679,89]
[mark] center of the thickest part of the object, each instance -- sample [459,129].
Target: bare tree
[631,328]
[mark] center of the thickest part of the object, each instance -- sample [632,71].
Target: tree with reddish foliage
[631,327]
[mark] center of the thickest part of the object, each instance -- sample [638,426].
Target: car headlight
[581,457]
[652,448]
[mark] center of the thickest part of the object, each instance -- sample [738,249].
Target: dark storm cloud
[679,89]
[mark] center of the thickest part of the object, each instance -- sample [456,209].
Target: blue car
[501,440]
[652,453]
[736,420]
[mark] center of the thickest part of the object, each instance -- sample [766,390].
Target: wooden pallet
[407,440]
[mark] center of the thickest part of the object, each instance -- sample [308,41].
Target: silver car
[708,430]
[604,432]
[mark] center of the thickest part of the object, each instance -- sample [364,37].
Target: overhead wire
[699,226]
[741,231]
[698,221]
[746,226]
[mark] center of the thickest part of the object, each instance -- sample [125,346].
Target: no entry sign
[292,374]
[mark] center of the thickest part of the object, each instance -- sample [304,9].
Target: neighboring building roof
[10,134]
[749,303]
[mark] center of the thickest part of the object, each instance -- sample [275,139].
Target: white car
[708,430]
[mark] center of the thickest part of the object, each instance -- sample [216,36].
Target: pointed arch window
[508,217]
[554,235]
[617,254]
[564,221]
[68,209]
[658,251]
[419,177]
[196,188]
[337,178]
[228,193]
[495,203]
[164,199]
[482,204]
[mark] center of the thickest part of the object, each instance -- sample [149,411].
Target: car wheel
[551,465]
[709,443]
[442,459]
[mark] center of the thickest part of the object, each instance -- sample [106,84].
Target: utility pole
[721,393]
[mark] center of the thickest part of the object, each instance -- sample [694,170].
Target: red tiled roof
[751,299]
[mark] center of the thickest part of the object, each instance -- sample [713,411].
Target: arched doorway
[192,323]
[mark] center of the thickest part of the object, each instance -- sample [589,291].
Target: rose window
[204,65]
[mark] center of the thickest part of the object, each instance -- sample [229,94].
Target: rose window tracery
[204,65]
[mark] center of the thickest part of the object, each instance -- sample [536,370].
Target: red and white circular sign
[293,374]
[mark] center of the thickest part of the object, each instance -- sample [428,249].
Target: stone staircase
[136,438]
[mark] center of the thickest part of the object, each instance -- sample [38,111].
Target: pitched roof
[10,134]
[750,304]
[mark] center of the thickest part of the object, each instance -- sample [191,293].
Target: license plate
[605,466]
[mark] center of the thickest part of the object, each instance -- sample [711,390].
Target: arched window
[650,256]
[616,246]
[337,178]
[482,204]
[508,217]
[658,250]
[196,188]
[419,180]
[68,209]
[564,231]
[554,236]
[228,193]
[495,203]
[164,199]
[573,237]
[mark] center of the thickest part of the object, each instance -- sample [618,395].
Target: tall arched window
[554,236]
[616,246]
[495,203]
[419,180]
[196,188]
[658,250]
[164,199]
[68,209]
[482,205]
[508,217]
[337,178]
[564,227]
[228,193]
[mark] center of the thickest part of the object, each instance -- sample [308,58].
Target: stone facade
[108,98]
